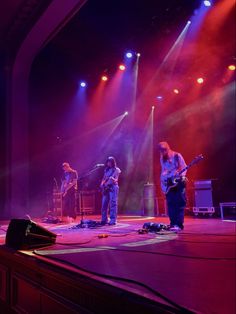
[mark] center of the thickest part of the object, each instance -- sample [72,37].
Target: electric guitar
[67,189]
[171,182]
[105,187]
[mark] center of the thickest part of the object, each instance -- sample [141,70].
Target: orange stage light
[231,67]
[122,67]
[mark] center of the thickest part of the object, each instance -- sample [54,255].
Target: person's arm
[63,186]
[104,179]
[73,181]
[114,178]
[182,164]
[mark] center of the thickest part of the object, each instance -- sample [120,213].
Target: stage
[162,272]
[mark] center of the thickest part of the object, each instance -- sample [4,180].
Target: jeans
[110,198]
[176,203]
[69,204]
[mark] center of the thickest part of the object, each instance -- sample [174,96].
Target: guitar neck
[186,168]
[196,160]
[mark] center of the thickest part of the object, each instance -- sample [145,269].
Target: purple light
[129,55]
[207,3]
[83,84]
[159,97]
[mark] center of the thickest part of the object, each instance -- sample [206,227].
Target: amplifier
[86,202]
[203,194]
[202,184]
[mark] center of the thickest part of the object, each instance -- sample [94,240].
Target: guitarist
[110,189]
[68,190]
[172,163]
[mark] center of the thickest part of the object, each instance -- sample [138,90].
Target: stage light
[126,113]
[200,80]
[153,107]
[138,54]
[129,55]
[207,3]
[231,67]
[83,84]
[104,78]
[122,67]
[189,22]
[176,91]
[159,97]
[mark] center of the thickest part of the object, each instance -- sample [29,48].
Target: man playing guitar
[171,164]
[110,189]
[68,190]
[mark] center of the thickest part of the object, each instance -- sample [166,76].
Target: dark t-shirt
[68,178]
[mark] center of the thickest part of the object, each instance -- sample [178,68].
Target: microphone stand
[82,223]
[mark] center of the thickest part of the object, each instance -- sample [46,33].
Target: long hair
[163,146]
[112,160]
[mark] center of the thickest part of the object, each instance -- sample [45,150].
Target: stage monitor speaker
[23,234]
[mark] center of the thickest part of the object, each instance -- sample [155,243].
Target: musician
[110,188]
[68,190]
[171,163]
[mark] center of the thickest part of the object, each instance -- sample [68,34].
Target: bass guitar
[171,182]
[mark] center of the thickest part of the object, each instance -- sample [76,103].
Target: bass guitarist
[68,190]
[110,190]
[171,164]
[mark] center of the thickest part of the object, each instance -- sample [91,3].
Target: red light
[122,67]
[176,91]
[104,78]
[200,80]
[231,67]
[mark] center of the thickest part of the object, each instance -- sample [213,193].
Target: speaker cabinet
[203,193]
[25,234]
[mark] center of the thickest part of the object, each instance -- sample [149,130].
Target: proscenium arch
[54,18]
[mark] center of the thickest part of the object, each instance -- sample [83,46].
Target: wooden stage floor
[194,268]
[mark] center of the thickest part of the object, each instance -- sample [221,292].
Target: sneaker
[111,223]
[175,228]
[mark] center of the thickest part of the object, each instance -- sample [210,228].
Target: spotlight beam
[175,49]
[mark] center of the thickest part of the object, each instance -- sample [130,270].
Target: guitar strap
[176,158]
[107,178]
[109,187]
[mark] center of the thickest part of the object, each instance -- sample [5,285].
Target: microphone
[99,165]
